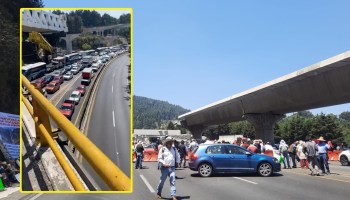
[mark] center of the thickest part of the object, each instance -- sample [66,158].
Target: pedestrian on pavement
[292,150]
[183,153]
[168,157]
[310,149]
[283,149]
[139,155]
[301,155]
[323,147]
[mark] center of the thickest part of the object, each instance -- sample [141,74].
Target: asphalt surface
[109,124]
[289,184]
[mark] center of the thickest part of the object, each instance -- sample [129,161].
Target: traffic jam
[50,78]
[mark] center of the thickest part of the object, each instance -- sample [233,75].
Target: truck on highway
[87,75]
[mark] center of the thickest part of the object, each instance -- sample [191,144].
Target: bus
[58,62]
[72,58]
[34,71]
[87,61]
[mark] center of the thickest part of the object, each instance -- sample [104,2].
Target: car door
[219,158]
[239,160]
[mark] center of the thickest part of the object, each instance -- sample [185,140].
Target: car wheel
[205,170]
[344,160]
[265,169]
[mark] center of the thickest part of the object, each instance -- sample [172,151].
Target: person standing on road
[292,152]
[193,145]
[139,155]
[301,155]
[310,149]
[283,148]
[167,157]
[323,147]
[183,153]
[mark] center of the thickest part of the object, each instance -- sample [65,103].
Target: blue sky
[193,53]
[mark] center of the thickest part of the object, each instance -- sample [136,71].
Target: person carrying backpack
[283,149]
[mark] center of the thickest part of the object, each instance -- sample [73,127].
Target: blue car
[217,158]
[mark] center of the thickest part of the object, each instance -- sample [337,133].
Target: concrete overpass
[43,21]
[100,31]
[322,84]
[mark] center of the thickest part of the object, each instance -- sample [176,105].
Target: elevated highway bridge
[325,83]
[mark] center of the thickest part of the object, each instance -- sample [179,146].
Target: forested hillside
[9,53]
[148,113]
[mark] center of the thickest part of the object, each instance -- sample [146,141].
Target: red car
[52,87]
[58,79]
[39,83]
[67,110]
[81,89]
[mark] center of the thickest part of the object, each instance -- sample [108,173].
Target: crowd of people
[8,172]
[309,154]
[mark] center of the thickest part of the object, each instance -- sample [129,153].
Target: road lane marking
[36,196]
[113,119]
[320,177]
[147,184]
[245,180]
[112,88]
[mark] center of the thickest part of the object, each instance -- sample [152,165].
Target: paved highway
[109,123]
[290,184]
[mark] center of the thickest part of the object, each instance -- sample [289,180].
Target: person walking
[167,158]
[323,147]
[310,149]
[183,153]
[283,149]
[139,155]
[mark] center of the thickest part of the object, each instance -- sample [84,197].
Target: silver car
[75,96]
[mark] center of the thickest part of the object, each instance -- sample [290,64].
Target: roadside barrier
[333,155]
[41,111]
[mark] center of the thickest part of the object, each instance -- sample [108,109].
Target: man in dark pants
[183,153]
[292,152]
[139,155]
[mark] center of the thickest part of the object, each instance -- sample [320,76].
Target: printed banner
[9,135]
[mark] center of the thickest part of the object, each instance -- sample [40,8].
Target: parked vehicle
[75,96]
[67,109]
[52,87]
[344,157]
[81,89]
[68,75]
[75,70]
[34,71]
[87,75]
[58,79]
[217,158]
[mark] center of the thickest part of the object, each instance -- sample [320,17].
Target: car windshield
[74,95]
[51,85]
[66,108]
[69,73]
[80,88]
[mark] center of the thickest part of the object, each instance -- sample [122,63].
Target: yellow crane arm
[40,40]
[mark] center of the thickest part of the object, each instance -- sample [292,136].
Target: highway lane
[290,184]
[109,123]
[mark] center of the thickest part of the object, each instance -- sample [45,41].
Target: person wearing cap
[323,147]
[168,156]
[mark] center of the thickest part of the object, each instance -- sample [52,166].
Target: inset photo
[76,86]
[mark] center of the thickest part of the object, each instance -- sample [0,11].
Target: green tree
[306,114]
[86,46]
[170,126]
[242,128]
[345,116]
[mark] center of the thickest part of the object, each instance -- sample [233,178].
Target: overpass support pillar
[264,124]
[196,131]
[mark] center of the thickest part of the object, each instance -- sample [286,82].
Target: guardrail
[41,111]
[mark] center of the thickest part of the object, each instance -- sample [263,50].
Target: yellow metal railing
[40,40]
[102,165]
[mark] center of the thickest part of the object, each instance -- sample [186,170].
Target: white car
[344,157]
[74,70]
[75,96]
[68,75]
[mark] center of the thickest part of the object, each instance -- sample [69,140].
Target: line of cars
[68,106]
